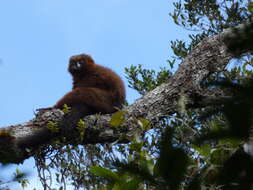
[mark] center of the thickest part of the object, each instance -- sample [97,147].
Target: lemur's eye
[78,64]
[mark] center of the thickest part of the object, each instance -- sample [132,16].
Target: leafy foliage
[117,119]
[144,80]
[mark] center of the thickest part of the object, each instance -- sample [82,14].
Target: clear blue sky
[38,37]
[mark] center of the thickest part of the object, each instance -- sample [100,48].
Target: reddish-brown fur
[96,89]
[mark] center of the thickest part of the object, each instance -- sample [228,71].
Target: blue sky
[38,37]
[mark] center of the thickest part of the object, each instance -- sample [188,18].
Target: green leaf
[204,150]
[171,63]
[250,7]
[106,173]
[233,143]
[66,108]
[116,187]
[219,156]
[53,126]
[136,146]
[144,123]
[133,184]
[172,162]
[118,118]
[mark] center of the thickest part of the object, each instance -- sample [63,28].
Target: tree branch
[21,141]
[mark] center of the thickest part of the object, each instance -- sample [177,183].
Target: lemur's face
[77,64]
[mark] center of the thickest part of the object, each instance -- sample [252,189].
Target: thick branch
[211,55]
